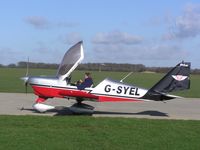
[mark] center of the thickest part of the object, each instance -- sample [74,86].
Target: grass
[34,132]
[10,79]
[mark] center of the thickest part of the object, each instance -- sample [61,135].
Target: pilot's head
[87,75]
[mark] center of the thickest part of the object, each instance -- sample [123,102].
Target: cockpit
[70,61]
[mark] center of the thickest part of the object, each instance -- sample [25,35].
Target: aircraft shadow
[149,113]
[66,111]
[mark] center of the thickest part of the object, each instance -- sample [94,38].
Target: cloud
[39,22]
[9,55]
[138,53]
[43,52]
[70,38]
[66,24]
[186,25]
[116,37]
[122,47]
[114,46]
[163,52]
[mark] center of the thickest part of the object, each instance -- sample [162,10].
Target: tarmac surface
[180,108]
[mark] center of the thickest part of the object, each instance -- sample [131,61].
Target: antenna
[126,76]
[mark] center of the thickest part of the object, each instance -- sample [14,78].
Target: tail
[178,78]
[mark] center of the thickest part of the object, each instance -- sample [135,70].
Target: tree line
[98,67]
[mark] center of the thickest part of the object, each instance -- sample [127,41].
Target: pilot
[88,82]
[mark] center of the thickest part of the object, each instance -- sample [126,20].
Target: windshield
[70,60]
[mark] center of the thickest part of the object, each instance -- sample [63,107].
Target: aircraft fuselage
[107,90]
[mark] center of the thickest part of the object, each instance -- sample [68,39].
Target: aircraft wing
[70,61]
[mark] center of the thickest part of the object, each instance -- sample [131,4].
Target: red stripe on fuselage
[116,99]
[46,91]
[50,92]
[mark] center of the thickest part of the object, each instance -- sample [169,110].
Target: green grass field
[10,79]
[34,132]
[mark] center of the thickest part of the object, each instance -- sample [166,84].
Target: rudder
[178,78]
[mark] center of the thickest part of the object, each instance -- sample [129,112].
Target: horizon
[17,64]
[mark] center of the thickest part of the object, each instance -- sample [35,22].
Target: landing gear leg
[40,100]
[81,108]
[79,101]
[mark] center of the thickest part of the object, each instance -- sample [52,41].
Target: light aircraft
[106,91]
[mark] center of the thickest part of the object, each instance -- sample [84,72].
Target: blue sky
[153,33]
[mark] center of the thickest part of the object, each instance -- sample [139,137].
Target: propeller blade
[25,79]
[26,87]
[27,67]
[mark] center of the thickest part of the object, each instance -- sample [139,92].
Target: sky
[153,33]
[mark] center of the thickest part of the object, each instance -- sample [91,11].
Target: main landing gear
[81,108]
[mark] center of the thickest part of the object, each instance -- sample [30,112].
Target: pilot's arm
[87,83]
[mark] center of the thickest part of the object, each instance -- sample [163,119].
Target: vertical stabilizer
[178,78]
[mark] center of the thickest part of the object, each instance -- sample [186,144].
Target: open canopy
[71,60]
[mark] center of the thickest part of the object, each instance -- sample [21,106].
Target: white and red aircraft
[106,91]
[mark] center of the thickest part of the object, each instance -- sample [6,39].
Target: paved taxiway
[182,108]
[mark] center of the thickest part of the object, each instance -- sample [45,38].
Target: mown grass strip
[81,132]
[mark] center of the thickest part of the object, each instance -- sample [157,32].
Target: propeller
[27,72]
[27,67]
[25,79]
[26,87]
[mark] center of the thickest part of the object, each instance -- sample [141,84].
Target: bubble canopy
[71,60]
